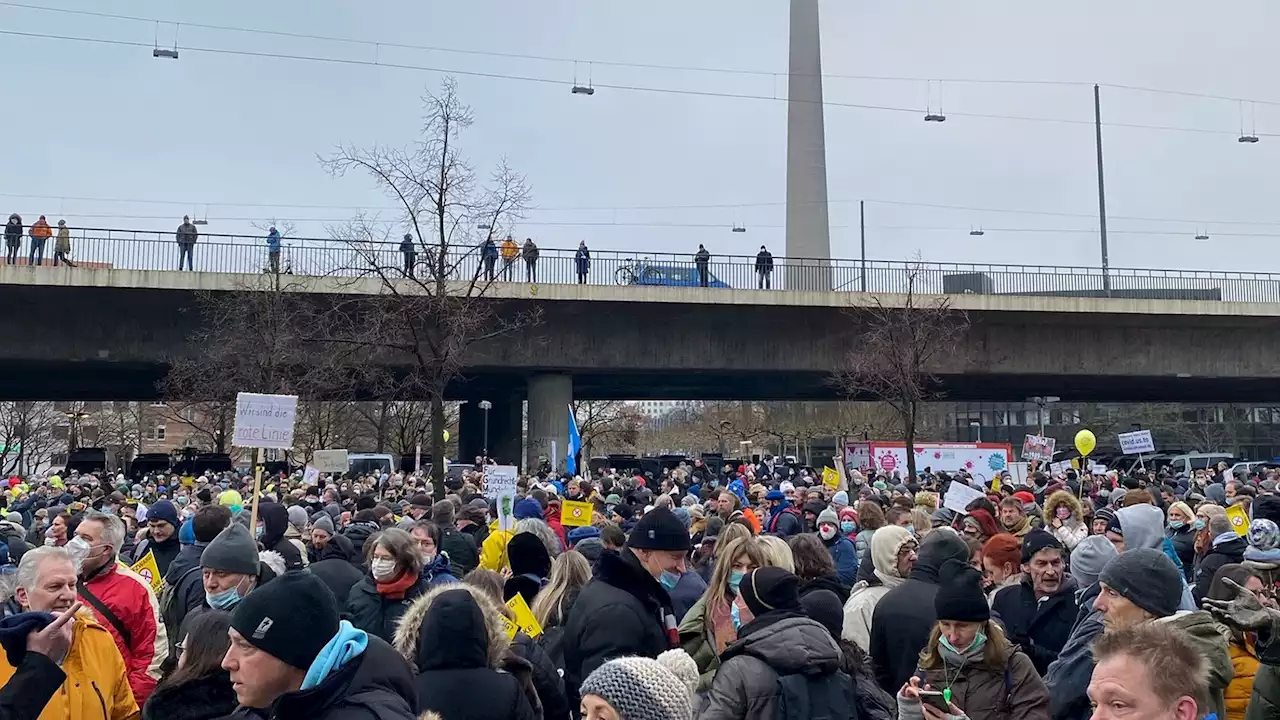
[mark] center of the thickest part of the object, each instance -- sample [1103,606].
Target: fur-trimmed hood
[1062,497]
[455,626]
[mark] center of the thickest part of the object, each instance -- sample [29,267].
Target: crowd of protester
[754,591]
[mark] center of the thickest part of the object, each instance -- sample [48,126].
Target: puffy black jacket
[375,614]
[377,684]
[546,677]
[335,569]
[359,532]
[1184,544]
[275,523]
[1041,628]
[464,555]
[904,617]
[164,552]
[1231,551]
[619,613]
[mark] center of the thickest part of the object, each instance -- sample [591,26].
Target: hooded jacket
[1143,527]
[1211,641]
[1073,529]
[1236,697]
[1219,554]
[96,684]
[1068,677]
[336,568]
[13,231]
[904,617]
[455,638]
[864,597]
[982,692]
[746,686]
[1040,627]
[275,523]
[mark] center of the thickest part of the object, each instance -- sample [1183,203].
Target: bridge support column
[549,399]
[505,439]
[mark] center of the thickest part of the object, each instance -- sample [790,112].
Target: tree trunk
[437,446]
[384,409]
[909,433]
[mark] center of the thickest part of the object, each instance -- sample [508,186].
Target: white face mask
[383,569]
[826,532]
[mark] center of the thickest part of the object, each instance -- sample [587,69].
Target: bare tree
[28,431]
[610,423]
[431,308]
[898,349]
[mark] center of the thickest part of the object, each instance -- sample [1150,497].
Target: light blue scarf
[344,647]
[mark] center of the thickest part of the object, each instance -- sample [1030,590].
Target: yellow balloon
[446,436]
[1086,442]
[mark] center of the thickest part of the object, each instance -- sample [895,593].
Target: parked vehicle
[1191,462]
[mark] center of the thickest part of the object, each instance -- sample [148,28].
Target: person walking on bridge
[40,234]
[702,259]
[764,268]
[186,237]
[12,239]
[62,246]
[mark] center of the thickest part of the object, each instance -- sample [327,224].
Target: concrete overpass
[106,334]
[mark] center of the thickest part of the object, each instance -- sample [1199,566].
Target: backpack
[167,598]
[817,697]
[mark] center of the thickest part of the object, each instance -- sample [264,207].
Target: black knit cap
[290,618]
[960,595]
[659,529]
[770,588]
[1035,541]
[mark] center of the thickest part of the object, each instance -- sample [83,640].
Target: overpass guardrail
[320,257]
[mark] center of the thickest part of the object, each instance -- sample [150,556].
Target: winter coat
[1231,551]
[493,555]
[462,656]
[275,526]
[95,677]
[1264,702]
[866,594]
[699,642]
[620,612]
[1068,677]
[529,251]
[746,686]
[63,243]
[546,677]
[986,692]
[702,257]
[13,231]
[1073,529]
[1245,664]
[845,558]
[764,262]
[33,684]
[187,583]
[461,548]
[164,552]
[131,599]
[1040,627]
[686,593]
[784,521]
[205,698]
[375,614]
[582,260]
[335,568]
[378,683]
[826,582]
[14,536]
[552,517]
[1184,544]
[187,234]
[904,617]
[1211,642]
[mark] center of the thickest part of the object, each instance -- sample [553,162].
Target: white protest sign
[1060,467]
[1096,469]
[311,476]
[265,421]
[500,486]
[330,461]
[1018,471]
[1136,442]
[959,496]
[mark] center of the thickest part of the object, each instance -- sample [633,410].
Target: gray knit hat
[828,516]
[234,550]
[322,522]
[1089,557]
[1146,578]
[298,517]
[640,689]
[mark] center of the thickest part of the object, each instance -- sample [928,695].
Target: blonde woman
[1180,524]
[777,553]
[709,627]
[569,573]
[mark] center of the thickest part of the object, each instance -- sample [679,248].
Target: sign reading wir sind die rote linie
[265,421]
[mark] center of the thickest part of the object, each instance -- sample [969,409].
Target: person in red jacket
[552,516]
[122,600]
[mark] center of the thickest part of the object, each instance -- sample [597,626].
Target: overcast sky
[223,130]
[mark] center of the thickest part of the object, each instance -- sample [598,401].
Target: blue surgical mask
[978,641]
[1198,524]
[258,533]
[735,579]
[1176,524]
[224,600]
[847,526]
[668,580]
[735,617]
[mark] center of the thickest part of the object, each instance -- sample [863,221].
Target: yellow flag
[575,514]
[830,478]
[995,484]
[1239,519]
[524,617]
[150,571]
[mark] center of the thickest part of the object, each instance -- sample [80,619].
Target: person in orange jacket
[40,234]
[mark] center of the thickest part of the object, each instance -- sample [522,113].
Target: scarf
[1020,527]
[396,589]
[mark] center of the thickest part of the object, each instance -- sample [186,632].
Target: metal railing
[150,250]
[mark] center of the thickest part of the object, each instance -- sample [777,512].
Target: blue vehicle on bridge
[645,272]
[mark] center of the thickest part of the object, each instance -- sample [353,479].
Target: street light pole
[977,429]
[862,233]
[1102,192]
[486,406]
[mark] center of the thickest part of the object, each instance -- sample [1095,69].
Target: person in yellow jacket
[1244,657]
[510,251]
[96,685]
[493,556]
[40,233]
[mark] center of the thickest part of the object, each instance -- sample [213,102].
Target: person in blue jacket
[489,254]
[582,262]
[273,250]
[784,520]
[843,554]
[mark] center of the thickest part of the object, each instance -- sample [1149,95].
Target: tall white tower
[808,226]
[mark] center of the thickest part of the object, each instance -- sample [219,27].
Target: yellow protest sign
[830,478]
[524,617]
[1239,519]
[575,514]
[995,484]
[150,571]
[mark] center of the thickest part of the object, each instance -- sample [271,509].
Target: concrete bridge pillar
[549,399]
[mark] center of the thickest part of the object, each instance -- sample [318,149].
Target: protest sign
[311,476]
[1239,519]
[1136,442]
[959,496]
[830,478]
[150,571]
[524,619]
[265,421]
[500,486]
[575,514]
[331,461]
[1036,447]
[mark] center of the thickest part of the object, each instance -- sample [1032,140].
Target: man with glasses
[893,554]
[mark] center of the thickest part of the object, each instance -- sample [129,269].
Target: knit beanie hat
[234,550]
[528,508]
[770,588]
[187,533]
[290,618]
[659,530]
[322,522]
[828,516]
[1146,578]
[640,689]
[164,510]
[1035,541]
[840,498]
[960,595]
[1090,556]
[824,607]
[298,517]
[527,555]
[1264,534]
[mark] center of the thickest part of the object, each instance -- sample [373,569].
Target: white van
[1191,462]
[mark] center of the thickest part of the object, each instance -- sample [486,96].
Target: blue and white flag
[575,444]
